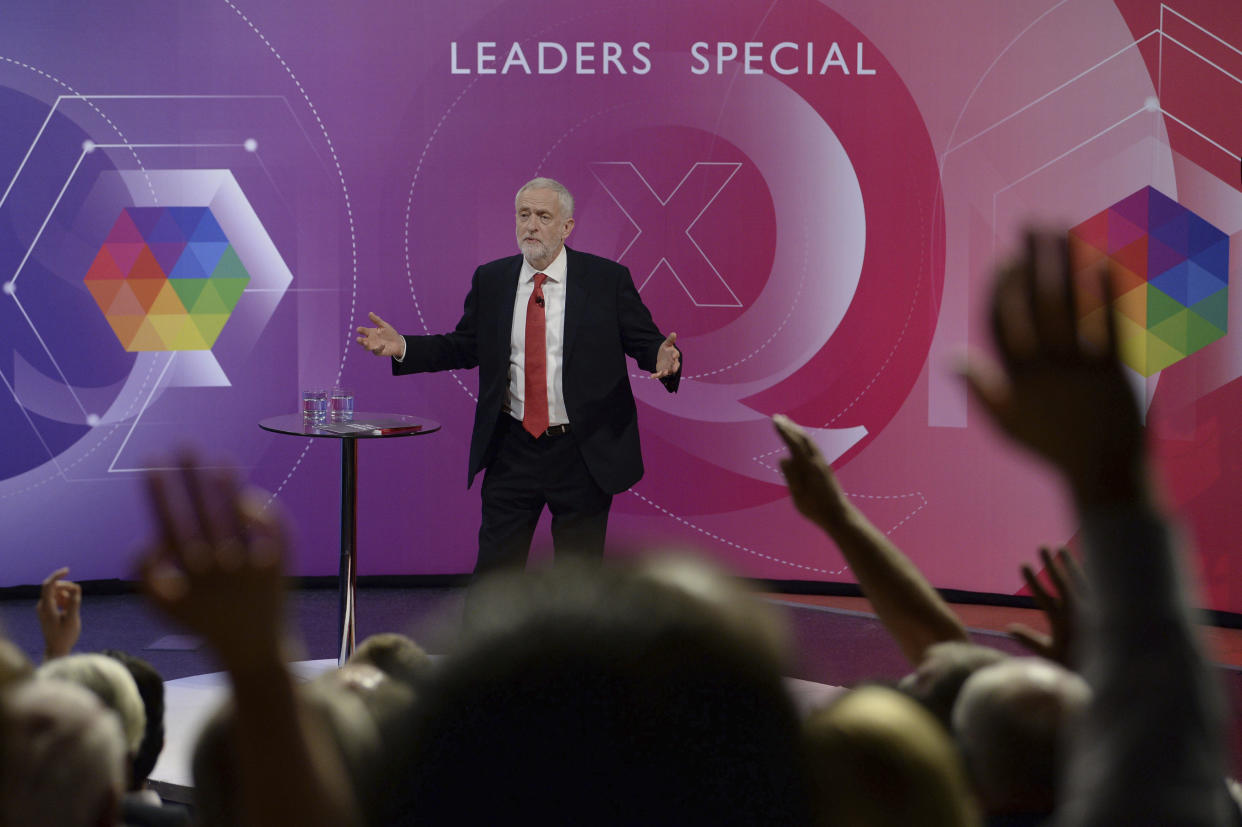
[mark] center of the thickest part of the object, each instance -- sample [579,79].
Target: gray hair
[562,194]
[63,756]
[111,683]
[1010,720]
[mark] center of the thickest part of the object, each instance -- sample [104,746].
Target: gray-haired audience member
[940,675]
[14,665]
[151,689]
[358,703]
[111,683]
[63,755]
[1012,721]
[396,655]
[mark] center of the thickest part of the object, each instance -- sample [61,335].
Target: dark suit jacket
[605,320]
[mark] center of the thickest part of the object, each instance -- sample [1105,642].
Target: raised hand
[382,340]
[216,568]
[913,612]
[1060,605]
[1055,394]
[668,359]
[814,488]
[59,610]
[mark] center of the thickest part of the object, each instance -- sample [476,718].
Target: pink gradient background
[856,232]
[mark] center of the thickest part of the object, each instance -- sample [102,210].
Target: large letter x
[662,226]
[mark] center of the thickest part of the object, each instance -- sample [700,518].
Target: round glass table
[365,425]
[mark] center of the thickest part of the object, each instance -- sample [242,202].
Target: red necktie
[535,408]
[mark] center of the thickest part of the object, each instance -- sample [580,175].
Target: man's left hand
[668,360]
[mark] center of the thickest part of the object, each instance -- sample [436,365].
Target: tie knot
[540,278]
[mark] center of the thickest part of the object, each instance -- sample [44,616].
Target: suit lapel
[577,292]
[508,296]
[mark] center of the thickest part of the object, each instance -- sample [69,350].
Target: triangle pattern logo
[166,278]
[1170,276]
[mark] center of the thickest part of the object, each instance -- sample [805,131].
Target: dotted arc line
[730,543]
[78,96]
[137,160]
[99,443]
[409,213]
[887,359]
[349,212]
[748,550]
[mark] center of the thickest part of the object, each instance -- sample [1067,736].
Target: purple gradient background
[856,236]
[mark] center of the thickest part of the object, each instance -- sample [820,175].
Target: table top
[293,425]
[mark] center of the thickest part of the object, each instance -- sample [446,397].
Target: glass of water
[341,405]
[314,407]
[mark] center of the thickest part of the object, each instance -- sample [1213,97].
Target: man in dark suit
[556,422]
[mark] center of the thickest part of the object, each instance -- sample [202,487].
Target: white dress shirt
[554,323]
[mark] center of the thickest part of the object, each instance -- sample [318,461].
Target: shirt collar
[555,271]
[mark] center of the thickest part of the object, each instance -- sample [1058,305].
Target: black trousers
[525,475]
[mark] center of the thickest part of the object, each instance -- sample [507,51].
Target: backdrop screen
[199,202]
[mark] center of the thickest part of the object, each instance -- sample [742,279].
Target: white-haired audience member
[14,664]
[63,757]
[111,683]
[1011,721]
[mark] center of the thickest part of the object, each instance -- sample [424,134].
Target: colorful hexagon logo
[1170,272]
[167,278]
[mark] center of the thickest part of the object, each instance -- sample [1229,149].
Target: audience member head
[940,675]
[353,701]
[213,766]
[151,688]
[359,705]
[1010,721]
[14,665]
[879,758]
[396,655]
[63,755]
[111,683]
[606,696]
[730,599]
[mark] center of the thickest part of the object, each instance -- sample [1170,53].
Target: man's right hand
[383,339]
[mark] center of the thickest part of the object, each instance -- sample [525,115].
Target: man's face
[541,229]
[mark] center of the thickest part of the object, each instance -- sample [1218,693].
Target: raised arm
[913,612]
[217,570]
[1149,750]
[60,617]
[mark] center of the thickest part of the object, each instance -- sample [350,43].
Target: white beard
[533,249]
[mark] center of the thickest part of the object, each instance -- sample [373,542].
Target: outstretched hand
[382,340]
[816,493]
[1060,605]
[216,568]
[1064,399]
[668,359]
[59,610]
